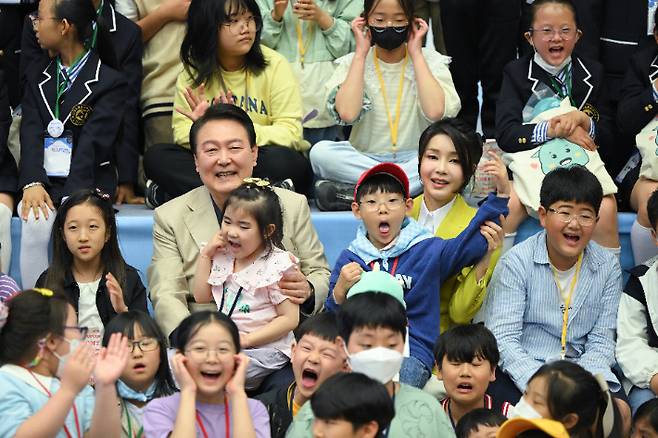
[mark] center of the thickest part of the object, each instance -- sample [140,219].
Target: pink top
[256,304]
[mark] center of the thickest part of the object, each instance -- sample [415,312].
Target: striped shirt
[71,73]
[524,314]
[8,287]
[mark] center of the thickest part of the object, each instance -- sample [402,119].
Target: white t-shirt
[564,279]
[371,133]
[431,220]
[88,315]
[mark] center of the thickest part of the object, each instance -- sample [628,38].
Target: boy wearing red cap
[410,253]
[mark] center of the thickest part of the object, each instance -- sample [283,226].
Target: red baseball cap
[390,169]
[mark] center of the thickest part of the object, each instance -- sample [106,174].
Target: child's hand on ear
[111,360]
[362,37]
[349,274]
[217,242]
[116,294]
[418,31]
[235,385]
[496,168]
[182,375]
[78,369]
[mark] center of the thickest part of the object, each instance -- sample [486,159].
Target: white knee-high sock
[35,236]
[644,247]
[5,238]
[508,242]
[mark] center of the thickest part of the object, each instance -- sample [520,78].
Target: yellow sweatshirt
[275,103]
[461,295]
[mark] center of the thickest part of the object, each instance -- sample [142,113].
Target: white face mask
[73,345]
[379,363]
[524,409]
[551,69]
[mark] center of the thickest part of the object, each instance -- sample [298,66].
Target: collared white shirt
[431,220]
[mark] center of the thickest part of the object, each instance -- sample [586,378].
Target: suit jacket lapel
[109,16]
[201,220]
[82,86]
[47,88]
[653,69]
[582,86]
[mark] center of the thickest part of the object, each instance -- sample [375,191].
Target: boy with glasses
[392,242]
[556,295]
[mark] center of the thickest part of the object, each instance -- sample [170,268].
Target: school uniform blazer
[8,171]
[134,293]
[183,225]
[126,38]
[102,90]
[522,77]
[638,106]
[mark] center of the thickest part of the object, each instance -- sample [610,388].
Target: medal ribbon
[140,432]
[65,78]
[559,86]
[227,421]
[567,302]
[75,410]
[392,124]
[301,44]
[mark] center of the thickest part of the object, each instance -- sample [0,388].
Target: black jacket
[522,76]
[97,88]
[623,33]
[134,294]
[637,106]
[277,404]
[126,38]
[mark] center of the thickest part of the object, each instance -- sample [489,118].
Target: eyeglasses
[380,25]
[145,344]
[35,19]
[372,205]
[199,354]
[546,33]
[81,330]
[583,219]
[235,25]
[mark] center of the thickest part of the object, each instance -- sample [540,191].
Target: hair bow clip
[101,194]
[43,291]
[258,182]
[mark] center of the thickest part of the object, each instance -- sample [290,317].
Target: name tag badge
[57,155]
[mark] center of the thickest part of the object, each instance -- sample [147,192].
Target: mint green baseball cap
[378,281]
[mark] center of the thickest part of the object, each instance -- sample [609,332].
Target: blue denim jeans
[413,372]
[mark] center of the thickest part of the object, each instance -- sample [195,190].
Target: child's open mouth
[139,367]
[384,228]
[309,378]
[210,377]
[464,387]
[571,238]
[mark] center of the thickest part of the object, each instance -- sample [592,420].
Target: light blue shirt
[523,311]
[21,397]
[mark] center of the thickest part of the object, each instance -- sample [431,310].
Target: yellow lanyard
[301,45]
[392,124]
[567,302]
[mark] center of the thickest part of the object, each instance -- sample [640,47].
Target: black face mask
[389,38]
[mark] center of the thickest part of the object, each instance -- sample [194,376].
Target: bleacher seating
[336,230]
